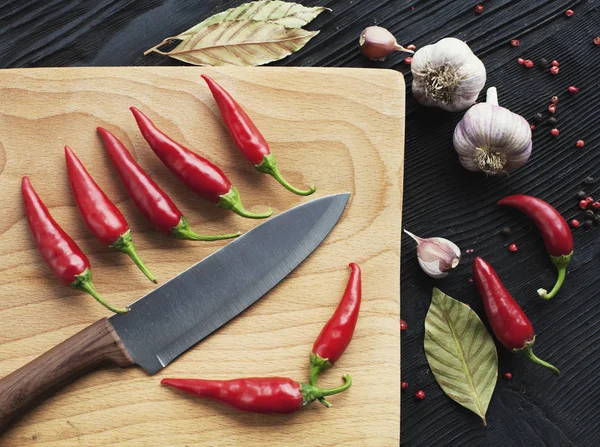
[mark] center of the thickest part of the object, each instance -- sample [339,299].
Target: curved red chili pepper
[257,394]
[337,333]
[509,323]
[152,201]
[199,174]
[247,137]
[101,216]
[554,230]
[58,250]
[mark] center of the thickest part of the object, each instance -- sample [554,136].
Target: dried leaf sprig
[254,33]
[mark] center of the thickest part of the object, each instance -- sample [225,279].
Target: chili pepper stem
[317,365]
[125,245]
[184,232]
[561,263]
[83,282]
[312,393]
[231,201]
[527,351]
[269,166]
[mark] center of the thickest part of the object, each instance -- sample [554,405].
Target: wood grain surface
[324,125]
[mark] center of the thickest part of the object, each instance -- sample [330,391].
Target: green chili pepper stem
[269,166]
[83,282]
[527,351]
[312,393]
[561,263]
[184,232]
[125,245]
[317,365]
[231,201]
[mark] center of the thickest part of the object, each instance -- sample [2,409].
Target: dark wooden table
[535,408]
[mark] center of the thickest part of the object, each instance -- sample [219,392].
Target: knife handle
[95,346]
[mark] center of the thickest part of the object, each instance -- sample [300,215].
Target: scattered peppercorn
[421,394]
[580,143]
[403,385]
[597,219]
[520,61]
[403,325]
[544,63]
[555,63]
[597,40]
[552,108]
[588,224]
[589,199]
[589,180]
[574,223]
[515,43]
[554,132]
[554,70]
[538,117]
[469,250]
[507,376]
[572,89]
[470,280]
[506,231]
[528,63]
[554,99]
[532,126]
[552,120]
[411,47]
[569,13]
[583,204]
[589,213]
[596,206]
[513,248]
[408,60]
[581,195]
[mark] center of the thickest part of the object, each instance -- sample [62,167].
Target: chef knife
[174,317]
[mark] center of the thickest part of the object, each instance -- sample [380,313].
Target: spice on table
[408,60]
[507,376]
[199,174]
[555,63]
[377,43]
[528,63]
[581,195]
[554,99]
[554,70]
[583,204]
[552,121]
[514,42]
[589,180]
[544,62]
[575,223]
[513,248]
[538,118]
[403,325]
[589,213]
[479,9]
[588,224]
[338,331]
[552,108]
[58,250]
[596,205]
[580,143]
[596,40]
[257,394]
[403,385]
[569,13]
[411,47]
[150,199]
[437,256]
[554,132]
[509,323]
[532,126]
[420,394]
[101,216]
[589,199]
[520,61]
[554,230]
[597,219]
[248,138]
[573,90]
[506,231]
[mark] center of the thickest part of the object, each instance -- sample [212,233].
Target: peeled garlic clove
[492,139]
[437,256]
[377,43]
[447,75]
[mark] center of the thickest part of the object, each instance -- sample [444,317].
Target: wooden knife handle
[87,350]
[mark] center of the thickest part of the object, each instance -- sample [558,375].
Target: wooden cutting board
[340,128]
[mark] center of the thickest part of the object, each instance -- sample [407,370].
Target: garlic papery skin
[437,256]
[447,75]
[377,43]
[492,139]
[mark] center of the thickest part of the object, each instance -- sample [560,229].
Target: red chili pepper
[509,323]
[199,174]
[257,394]
[152,201]
[101,216]
[338,331]
[555,232]
[58,250]
[247,137]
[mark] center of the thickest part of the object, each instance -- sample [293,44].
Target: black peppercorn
[506,231]
[581,195]
[597,219]
[589,180]
[552,121]
[589,213]
[538,117]
[544,63]
[588,224]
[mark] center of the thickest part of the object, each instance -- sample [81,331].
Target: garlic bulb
[377,43]
[447,75]
[491,138]
[437,256]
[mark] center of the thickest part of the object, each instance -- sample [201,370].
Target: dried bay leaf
[241,42]
[461,353]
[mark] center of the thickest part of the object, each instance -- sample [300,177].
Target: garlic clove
[437,256]
[377,43]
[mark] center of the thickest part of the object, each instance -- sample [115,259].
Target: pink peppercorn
[532,126]
[596,40]
[574,223]
[554,132]
[569,13]
[555,63]
[589,199]
[554,70]
[552,108]
[583,204]
[528,63]
[554,99]
[580,143]
[408,60]
[403,325]
[411,47]
[513,248]
[420,394]
[507,376]
[572,89]
[403,385]
[479,9]
[596,205]
[520,61]
[515,43]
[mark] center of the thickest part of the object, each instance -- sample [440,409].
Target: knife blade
[174,317]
